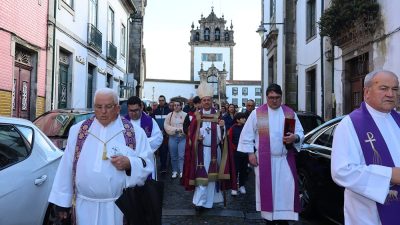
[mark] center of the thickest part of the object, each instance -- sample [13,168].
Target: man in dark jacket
[159,114]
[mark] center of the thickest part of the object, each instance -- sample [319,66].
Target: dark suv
[309,120]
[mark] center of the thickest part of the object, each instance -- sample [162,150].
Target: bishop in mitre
[208,163]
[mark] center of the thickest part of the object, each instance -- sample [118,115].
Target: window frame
[123,40]
[311,29]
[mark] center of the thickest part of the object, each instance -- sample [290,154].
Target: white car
[28,163]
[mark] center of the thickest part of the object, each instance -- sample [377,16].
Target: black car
[318,193]
[309,120]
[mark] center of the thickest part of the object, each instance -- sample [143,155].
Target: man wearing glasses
[148,124]
[275,170]
[159,114]
[104,154]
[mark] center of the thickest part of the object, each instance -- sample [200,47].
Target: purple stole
[130,141]
[201,175]
[146,123]
[376,152]
[264,158]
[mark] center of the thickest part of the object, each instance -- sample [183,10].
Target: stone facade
[22,56]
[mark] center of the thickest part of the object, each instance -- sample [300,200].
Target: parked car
[318,192]
[56,123]
[309,120]
[28,163]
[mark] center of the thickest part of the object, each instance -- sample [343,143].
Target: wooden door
[357,94]
[21,91]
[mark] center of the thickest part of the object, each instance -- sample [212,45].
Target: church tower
[212,52]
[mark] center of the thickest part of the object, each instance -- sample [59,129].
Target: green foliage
[343,14]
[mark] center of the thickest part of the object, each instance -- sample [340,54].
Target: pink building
[23,41]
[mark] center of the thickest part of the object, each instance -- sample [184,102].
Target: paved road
[240,210]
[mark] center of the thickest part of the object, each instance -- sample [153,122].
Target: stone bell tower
[212,45]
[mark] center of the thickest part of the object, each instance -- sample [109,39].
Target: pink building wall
[27,20]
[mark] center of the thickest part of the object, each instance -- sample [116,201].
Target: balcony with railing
[94,38]
[111,52]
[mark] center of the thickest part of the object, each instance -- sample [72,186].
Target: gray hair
[370,76]
[107,91]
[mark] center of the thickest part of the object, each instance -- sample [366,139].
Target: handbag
[142,205]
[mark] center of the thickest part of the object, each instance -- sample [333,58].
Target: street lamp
[261,29]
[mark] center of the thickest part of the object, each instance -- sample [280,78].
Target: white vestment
[155,140]
[282,178]
[205,196]
[156,137]
[364,185]
[98,182]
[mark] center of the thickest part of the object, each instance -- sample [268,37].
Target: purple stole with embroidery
[264,160]
[130,141]
[146,123]
[376,152]
[201,175]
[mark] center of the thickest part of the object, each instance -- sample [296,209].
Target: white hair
[370,76]
[107,91]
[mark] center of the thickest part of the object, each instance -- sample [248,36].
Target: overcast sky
[167,25]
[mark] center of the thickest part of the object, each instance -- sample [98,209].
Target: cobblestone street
[239,210]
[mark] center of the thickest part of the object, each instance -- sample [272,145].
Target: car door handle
[40,180]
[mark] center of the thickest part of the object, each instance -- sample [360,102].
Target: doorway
[21,91]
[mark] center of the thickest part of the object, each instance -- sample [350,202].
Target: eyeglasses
[107,107]
[274,98]
[134,110]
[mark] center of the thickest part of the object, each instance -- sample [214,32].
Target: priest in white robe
[147,123]
[264,130]
[105,164]
[366,154]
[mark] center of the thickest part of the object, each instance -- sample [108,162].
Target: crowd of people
[210,149]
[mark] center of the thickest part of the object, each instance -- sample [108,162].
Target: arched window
[226,36]
[197,36]
[217,34]
[207,34]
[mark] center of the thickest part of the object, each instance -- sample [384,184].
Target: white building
[211,47]
[328,77]
[88,50]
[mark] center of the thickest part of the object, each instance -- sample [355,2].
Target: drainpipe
[54,56]
[322,67]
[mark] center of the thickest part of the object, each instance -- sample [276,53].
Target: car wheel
[306,195]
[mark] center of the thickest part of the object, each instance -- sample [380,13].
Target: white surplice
[282,178]
[98,182]
[205,196]
[156,137]
[364,185]
[155,140]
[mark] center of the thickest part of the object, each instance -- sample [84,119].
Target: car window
[309,122]
[13,147]
[325,138]
[27,132]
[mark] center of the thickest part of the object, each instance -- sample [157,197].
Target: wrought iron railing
[111,52]
[94,38]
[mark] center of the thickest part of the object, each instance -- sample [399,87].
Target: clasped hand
[121,162]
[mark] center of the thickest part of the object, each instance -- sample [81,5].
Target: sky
[167,25]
